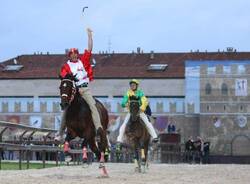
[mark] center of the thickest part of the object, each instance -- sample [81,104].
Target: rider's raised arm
[90,40]
[85,58]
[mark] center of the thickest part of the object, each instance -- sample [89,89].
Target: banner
[36,121]
[241,87]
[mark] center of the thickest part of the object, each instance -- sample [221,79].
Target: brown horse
[79,121]
[137,135]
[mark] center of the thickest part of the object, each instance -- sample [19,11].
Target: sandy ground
[124,174]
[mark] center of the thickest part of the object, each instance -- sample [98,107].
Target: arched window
[224,89]
[208,89]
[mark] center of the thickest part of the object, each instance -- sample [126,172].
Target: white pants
[144,118]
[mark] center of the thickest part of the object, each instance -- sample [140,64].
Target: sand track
[124,174]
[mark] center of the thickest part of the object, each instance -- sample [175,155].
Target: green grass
[15,165]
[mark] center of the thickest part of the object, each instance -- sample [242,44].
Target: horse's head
[67,90]
[134,107]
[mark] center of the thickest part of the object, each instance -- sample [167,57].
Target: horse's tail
[103,114]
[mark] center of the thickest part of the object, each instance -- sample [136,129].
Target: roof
[120,65]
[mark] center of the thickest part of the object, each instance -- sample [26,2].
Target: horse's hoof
[143,170]
[68,159]
[103,176]
[137,170]
[101,165]
[85,160]
[85,165]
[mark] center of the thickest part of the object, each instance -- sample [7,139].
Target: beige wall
[151,87]
[29,87]
[100,87]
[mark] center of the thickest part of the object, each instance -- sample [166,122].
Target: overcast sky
[30,26]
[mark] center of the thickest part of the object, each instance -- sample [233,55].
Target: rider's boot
[155,140]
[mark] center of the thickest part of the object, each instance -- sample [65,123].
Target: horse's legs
[143,155]
[137,156]
[93,147]
[146,143]
[100,156]
[84,151]
[136,159]
[66,147]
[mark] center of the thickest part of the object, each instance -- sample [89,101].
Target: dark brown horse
[137,135]
[79,121]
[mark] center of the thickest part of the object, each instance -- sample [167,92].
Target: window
[211,70]
[13,68]
[224,89]
[157,67]
[226,69]
[36,105]
[208,89]
[241,69]
[179,106]
[208,108]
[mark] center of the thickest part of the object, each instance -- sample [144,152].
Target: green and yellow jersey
[139,94]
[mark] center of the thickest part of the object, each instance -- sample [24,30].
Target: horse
[137,135]
[79,121]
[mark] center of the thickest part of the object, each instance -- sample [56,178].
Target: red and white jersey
[81,68]
[78,70]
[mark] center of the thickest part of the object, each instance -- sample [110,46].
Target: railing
[25,145]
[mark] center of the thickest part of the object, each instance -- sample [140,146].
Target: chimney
[138,50]
[47,53]
[230,49]
[152,56]
[15,61]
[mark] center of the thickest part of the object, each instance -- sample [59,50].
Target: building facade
[203,94]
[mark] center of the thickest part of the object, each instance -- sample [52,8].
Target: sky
[121,26]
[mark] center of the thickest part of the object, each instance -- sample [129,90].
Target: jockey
[134,91]
[80,67]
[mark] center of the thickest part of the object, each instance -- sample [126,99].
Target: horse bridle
[72,92]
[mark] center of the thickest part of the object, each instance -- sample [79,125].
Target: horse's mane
[69,76]
[135,98]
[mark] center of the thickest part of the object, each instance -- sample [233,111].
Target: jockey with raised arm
[80,67]
[134,91]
